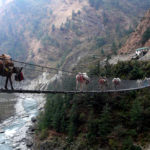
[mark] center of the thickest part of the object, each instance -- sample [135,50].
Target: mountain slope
[59,33]
[140,37]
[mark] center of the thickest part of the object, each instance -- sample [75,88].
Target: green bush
[43,134]
[128,145]
[100,42]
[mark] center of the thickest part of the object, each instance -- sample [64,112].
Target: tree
[146,36]
[73,14]
[56,120]
[114,48]
[96,3]
[136,114]
[102,52]
[105,122]
[93,127]
[73,122]
[128,144]
[100,41]
[53,27]
[136,73]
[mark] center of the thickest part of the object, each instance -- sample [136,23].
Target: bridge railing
[65,82]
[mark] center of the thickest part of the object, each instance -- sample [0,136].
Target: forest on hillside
[117,121]
[33,20]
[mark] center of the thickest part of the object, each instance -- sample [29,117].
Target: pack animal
[82,79]
[116,82]
[7,68]
[103,83]
[147,81]
[139,82]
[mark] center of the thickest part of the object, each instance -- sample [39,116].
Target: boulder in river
[29,143]
[2,131]
[31,129]
[33,119]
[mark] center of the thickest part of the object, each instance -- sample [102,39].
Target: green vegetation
[117,121]
[48,40]
[96,3]
[25,17]
[100,42]
[146,36]
[131,70]
[114,48]
[102,52]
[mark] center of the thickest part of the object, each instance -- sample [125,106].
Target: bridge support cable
[46,67]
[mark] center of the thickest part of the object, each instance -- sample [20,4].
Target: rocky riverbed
[7,106]
[20,109]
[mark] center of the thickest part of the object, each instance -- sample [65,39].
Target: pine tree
[56,120]
[102,52]
[114,48]
[105,122]
[146,36]
[73,122]
[136,114]
[53,27]
[93,126]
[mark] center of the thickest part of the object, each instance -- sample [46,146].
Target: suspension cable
[56,69]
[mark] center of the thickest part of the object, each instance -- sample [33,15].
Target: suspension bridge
[65,83]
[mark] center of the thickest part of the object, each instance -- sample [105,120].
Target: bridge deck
[67,92]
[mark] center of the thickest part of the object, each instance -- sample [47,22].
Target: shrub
[100,41]
[43,134]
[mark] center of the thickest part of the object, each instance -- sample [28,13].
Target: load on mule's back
[7,68]
[6,62]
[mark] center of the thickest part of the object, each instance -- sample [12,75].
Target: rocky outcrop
[135,40]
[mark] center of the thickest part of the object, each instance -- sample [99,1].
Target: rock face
[135,40]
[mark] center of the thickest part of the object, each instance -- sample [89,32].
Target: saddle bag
[19,77]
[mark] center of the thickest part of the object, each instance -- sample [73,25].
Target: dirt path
[116,59]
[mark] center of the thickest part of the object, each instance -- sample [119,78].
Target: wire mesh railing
[64,81]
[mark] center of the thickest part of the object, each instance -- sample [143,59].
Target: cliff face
[60,32]
[136,39]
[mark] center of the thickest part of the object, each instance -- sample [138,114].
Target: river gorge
[21,108]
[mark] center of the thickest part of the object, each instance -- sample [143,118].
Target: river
[13,130]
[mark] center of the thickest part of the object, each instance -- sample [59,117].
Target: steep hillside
[60,32]
[108,121]
[140,37]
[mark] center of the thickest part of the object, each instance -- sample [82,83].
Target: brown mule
[7,69]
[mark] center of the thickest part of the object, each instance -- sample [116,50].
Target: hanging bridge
[63,81]
[70,92]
